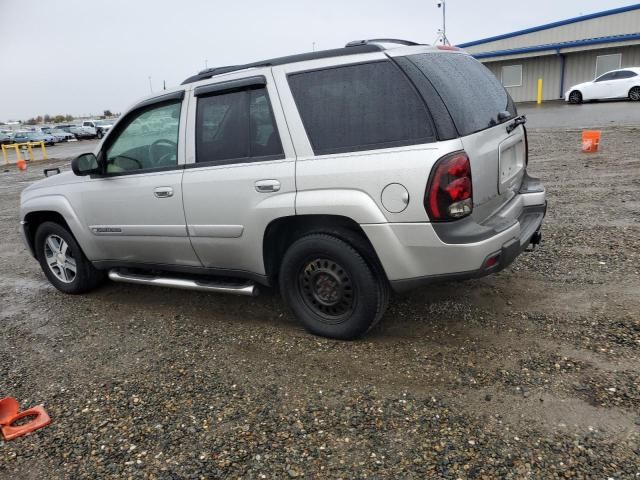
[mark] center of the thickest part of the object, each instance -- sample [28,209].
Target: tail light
[449,193]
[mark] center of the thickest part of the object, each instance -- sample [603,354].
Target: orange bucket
[590,140]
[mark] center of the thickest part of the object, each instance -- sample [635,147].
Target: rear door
[240,172]
[624,82]
[481,110]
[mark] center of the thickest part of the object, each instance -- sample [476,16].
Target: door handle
[267,186]
[163,192]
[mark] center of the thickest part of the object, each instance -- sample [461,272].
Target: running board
[247,288]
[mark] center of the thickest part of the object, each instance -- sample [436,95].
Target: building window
[606,63]
[512,76]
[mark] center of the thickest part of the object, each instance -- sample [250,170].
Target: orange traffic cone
[21,164]
[10,413]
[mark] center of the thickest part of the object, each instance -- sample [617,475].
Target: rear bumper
[413,254]
[530,224]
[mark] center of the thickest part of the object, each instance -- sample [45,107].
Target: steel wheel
[60,259]
[327,290]
[634,94]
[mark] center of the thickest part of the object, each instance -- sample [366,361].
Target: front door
[240,172]
[135,210]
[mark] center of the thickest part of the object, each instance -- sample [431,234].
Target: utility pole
[442,33]
[313,46]
[150,87]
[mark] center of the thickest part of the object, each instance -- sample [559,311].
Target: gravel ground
[530,373]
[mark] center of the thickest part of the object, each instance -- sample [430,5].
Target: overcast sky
[82,57]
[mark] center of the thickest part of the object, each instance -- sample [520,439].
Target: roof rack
[357,43]
[301,57]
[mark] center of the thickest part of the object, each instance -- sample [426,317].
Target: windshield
[474,97]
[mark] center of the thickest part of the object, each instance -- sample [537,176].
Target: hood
[63,178]
[579,86]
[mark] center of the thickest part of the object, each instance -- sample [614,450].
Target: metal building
[561,53]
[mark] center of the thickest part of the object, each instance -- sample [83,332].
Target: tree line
[57,118]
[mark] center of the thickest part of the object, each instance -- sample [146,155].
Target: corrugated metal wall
[580,67]
[626,22]
[547,68]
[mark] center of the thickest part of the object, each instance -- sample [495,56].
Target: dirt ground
[530,373]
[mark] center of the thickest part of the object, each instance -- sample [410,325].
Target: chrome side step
[248,288]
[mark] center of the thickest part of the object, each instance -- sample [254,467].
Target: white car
[621,83]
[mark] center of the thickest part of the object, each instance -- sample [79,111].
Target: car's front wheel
[634,94]
[575,97]
[331,287]
[62,260]
[99,134]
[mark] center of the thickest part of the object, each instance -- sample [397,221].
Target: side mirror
[85,164]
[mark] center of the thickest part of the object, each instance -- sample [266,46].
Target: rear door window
[236,126]
[472,94]
[360,107]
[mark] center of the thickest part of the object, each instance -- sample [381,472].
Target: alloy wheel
[60,258]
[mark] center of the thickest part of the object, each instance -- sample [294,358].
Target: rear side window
[360,107]
[236,126]
[625,74]
[472,94]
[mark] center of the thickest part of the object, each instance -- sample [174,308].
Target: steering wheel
[112,163]
[159,161]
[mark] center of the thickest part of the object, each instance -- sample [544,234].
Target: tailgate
[497,167]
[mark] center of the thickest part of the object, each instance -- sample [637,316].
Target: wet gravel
[530,373]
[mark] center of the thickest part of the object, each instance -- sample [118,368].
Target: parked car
[80,131]
[60,135]
[622,83]
[24,137]
[101,126]
[5,139]
[337,175]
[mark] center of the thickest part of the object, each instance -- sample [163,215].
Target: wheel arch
[36,218]
[283,231]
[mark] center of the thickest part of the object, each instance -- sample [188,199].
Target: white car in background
[621,83]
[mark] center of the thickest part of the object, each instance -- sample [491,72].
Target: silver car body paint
[217,215]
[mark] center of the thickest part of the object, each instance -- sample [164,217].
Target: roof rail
[357,43]
[301,57]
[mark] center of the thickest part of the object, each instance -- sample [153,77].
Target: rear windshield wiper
[521,120]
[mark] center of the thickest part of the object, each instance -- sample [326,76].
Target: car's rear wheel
[63,261]
[99,134]
[575,97]
[331,288]
[634,94]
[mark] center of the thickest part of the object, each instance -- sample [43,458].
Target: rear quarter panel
[351,184]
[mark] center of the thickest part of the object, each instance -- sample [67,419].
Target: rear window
[360,107]
[472,94]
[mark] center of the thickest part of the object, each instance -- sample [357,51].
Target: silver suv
[337,176]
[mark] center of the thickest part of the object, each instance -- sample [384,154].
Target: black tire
[86,278]
[575,97]
[331,287]
[634,94]
[99,134]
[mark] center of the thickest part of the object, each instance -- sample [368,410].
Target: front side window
[606,77]
[360,107]
[236,126]
[148,140]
